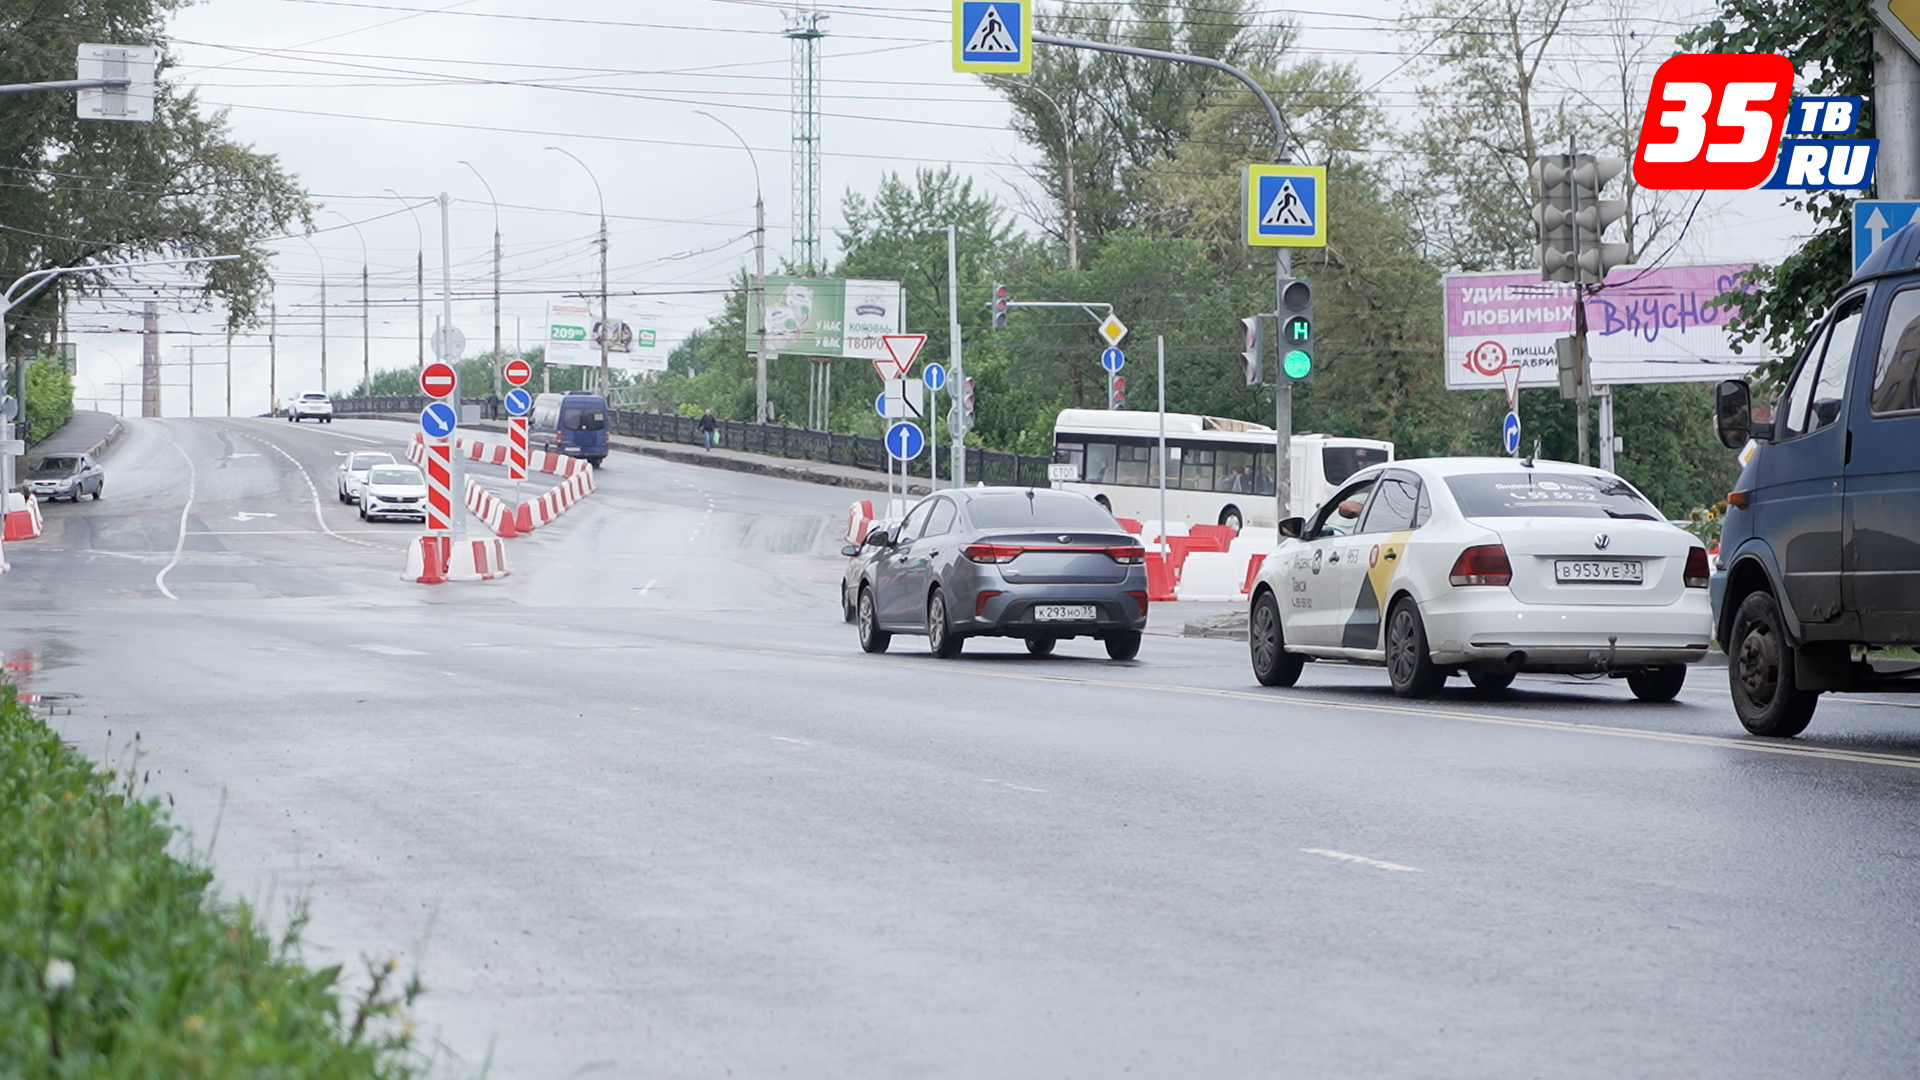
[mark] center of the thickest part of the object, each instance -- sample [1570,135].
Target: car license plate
[1063,612]
[1599,571]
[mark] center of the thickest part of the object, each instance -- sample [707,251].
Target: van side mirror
[1733,413]
[1290,527]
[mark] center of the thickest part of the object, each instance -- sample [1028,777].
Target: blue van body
[1820,549]
[574,424]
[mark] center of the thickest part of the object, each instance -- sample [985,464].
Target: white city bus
[1220,471]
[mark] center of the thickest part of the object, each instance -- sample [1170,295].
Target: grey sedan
[1034,564]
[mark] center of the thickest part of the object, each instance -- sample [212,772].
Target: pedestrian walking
[707,427]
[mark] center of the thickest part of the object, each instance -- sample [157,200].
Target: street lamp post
[606,376]
[366,334]
[759,277]
[419,282]
[1073,211]
[323,311]
[497,361]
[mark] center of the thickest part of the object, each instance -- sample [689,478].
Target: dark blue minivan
[1820,550]
[574,424]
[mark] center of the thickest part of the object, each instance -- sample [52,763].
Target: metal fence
[778,440]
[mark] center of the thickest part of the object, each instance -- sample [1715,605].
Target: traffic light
[1002,296]
[1250,359]
[966,403]
[1118,398]
[1573,218]
[1296,328]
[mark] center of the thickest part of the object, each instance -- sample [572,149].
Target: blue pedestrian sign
[438,420]
[993,36]
[519,402]
[934,376]
[1876,219]
[905,441]
[1510,433]
[1287,205]
[1113,360]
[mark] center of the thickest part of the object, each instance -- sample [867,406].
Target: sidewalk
[88,432]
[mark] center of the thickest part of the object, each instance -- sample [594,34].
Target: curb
[1230,627]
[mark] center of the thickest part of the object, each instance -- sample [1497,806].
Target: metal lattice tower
[805,28]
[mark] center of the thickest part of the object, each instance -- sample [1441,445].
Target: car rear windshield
[589,419]
[1040,510]
[394,476]
[1532,494]
[313,397]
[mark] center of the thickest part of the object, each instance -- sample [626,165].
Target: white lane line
[1016,787]
[390,650]
[1361,859]
[286,532]
[179,545]
[648,587]
[314,490]
[783,738]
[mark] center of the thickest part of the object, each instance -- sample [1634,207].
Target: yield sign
[902,349]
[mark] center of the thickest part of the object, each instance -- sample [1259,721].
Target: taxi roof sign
[993,37]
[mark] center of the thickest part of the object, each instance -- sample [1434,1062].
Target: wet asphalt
[644,809]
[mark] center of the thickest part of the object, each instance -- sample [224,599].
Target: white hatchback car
[353,472]
[1487,567]
[393,491]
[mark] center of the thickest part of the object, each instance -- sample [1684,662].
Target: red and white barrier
[509,521]
[427,560]
[22,518]
[477,560]
[499,517]
[500,454]
[859,520]
[555,502]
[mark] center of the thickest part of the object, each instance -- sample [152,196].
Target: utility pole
[323,331]
[150,360]
[498,360]
[957,468]
[366,334]
[229,371]
[606,329]
[273,358]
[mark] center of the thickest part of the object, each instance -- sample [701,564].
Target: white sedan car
[353,472]
[393,491]
[1485,567]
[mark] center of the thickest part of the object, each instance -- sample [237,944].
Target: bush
[49,398]
[116,960]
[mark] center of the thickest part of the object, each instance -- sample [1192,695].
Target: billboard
[1643,326]
[573,337]
[829,316]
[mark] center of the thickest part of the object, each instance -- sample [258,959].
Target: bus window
[1196,470]
[1099,468]
[1343,461]
[1133,466]
[1074,454]
[1263,474]
[1233,471]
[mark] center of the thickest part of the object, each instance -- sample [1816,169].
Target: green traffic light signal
[1299,329]
[1298,364]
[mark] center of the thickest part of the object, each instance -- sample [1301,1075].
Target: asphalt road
[644,809]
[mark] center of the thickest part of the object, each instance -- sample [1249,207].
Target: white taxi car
[1485,567]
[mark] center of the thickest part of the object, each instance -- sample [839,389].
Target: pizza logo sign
[1489,358]
[1716,121]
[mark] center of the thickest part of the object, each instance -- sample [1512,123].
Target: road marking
[249,515]
[648,587]
[314,490]
[390,650]
[179,545]
[1361,859]
[1016,787]
[783,738]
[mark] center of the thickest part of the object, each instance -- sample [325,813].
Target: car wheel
[1123,645]
[1231,518]
[363,511]
[1658,684]
[941,640]
[97,489]
[1409,665]
[1760,672]
[1041,646]
[872,638]
[1491,681]
[1273,665]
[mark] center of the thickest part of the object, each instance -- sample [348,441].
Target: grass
[117,960]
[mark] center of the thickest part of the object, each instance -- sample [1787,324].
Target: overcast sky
[373,105]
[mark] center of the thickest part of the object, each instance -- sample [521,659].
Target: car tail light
[1484,564]
[1141,599]
[980,601]
[1128,554]
[1697,571]
[992,553]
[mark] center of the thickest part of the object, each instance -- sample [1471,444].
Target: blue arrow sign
[519,402]
[1113,360]
[438,420]
[905,441]
[934,376]
[1510,433]
[1876,219]
[880,403]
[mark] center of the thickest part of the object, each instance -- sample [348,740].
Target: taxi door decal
[1363,625]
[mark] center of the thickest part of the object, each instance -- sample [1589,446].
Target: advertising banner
[829,316]
[1643,326]
[573,337]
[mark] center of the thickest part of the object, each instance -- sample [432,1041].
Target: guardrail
[779,440]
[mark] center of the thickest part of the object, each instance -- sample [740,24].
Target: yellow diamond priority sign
[1113,330]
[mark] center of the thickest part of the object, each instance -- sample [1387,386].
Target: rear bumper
[1011,613]
[1480,625]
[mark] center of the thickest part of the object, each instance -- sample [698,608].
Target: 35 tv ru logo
[1715,122]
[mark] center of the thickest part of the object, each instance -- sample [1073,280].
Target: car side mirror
[850,550]
[1733,414]
[880,538]
[1290,527]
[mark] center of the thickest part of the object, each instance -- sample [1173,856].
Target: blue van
[1820,550]
[574,424]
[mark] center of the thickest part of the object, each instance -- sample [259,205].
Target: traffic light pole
[1283,259]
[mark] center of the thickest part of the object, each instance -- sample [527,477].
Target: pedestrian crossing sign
[993,36]
[1287,205]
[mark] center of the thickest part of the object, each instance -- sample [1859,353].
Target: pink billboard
[1643,326]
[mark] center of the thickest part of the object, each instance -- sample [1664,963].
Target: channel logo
[1718,121]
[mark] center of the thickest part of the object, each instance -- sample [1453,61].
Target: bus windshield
[1341,462]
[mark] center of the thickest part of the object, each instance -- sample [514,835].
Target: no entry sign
[437,379]
[517,372]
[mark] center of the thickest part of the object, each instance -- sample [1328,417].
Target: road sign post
[1510,434]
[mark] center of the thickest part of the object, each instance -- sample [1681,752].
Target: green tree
[49,403]
[79,191]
